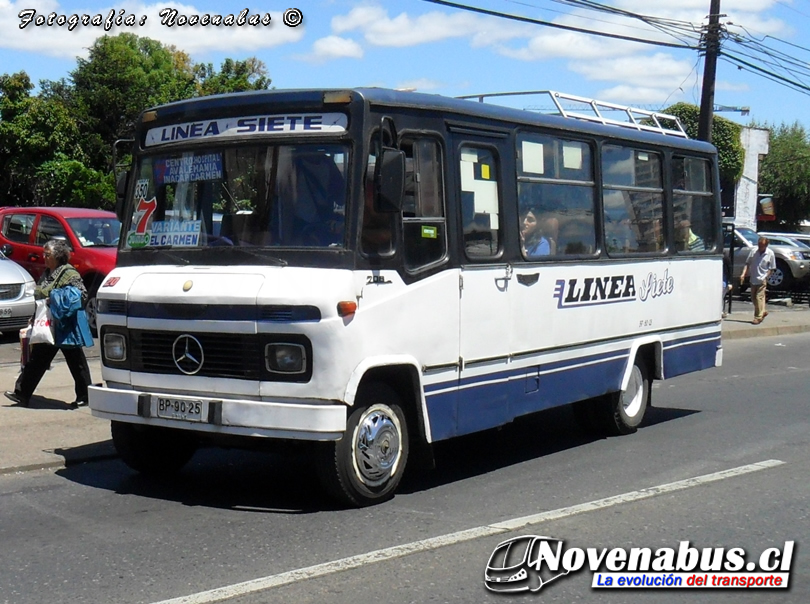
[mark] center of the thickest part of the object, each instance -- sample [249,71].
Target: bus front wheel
[623,412]
[366,465]
[151,450]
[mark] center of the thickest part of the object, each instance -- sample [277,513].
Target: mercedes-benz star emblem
[187,353]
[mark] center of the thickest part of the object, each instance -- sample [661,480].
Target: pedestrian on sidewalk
[760,264]
[73,332]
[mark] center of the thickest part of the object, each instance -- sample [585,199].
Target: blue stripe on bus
[512,373]
[491,400]
[690,354]
[495,399]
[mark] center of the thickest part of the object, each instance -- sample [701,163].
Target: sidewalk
[49,434]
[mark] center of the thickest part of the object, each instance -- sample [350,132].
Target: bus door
[484,286]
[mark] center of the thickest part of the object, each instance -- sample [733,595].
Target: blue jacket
[70,326]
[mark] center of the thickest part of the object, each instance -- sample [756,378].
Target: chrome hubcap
[377,445]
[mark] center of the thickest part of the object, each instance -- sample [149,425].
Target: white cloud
[566,44]
[358,18]
[659,71]
[637,95]
[404,30]
[421,85]
[334,47]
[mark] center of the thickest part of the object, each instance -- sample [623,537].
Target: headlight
[285,358]
[30,286]
[796,255]
[115,347]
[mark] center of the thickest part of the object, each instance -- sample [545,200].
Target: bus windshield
[262,195]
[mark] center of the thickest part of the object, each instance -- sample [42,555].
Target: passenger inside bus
[320,196]
[687,240]
[531,236]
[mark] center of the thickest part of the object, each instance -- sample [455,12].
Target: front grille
[289,314]
[113,307]
[10,292]
[7,323]
[225,355]
[277,313]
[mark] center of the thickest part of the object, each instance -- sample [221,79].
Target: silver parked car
[798,238]
[16,296]
[792,262]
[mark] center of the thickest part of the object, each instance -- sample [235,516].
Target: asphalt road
[100,533]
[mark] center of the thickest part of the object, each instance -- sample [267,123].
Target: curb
[57,465]
[754,332]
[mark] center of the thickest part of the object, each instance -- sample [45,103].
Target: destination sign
[303,123]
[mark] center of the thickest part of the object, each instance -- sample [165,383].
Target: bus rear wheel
[366,465]
[151,450]
[623,412]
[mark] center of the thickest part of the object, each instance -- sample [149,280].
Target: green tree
[233,76]
[66,182]
[725,136]
[785,173]
[122,76]
[33,130]
[56,147]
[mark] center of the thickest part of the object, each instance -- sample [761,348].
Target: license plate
[176,408]
[5,312]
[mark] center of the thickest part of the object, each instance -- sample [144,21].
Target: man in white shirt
[760,264]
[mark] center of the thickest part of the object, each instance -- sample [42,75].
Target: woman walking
[72,331]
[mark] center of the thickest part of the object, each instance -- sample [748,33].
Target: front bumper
[284,420]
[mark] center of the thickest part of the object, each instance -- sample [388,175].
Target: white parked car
[16,295]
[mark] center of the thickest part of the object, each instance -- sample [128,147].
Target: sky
[438,49]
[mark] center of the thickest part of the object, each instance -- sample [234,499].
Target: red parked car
[92,234]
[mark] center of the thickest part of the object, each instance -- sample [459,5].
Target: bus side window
[423,218]
[555,183]
[694,214]
[633,199]
[480,203]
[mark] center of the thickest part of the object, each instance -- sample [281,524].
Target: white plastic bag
[42,330]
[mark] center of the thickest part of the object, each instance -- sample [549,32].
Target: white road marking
[398,551]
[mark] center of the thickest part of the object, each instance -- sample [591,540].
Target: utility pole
[711,42]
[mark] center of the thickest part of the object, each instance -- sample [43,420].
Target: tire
[781,278]
[90,310]
[153,451]
[622,412]
[366,465]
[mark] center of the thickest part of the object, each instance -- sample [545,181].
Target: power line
[591,19]
[750,50]
[492,13]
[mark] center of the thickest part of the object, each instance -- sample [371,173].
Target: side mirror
[120,194]
[390,181]
[7,250]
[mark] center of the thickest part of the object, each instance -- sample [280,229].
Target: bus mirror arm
[390,181]
[120,194]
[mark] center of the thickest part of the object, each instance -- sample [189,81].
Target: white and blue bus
[373,271]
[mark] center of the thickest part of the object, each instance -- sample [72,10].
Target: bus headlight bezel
[114,342]
[115,347]
[286,358]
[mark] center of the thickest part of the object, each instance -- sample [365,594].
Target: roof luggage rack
[592,110]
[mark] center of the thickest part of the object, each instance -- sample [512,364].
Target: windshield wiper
[164,250]
[258,253]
